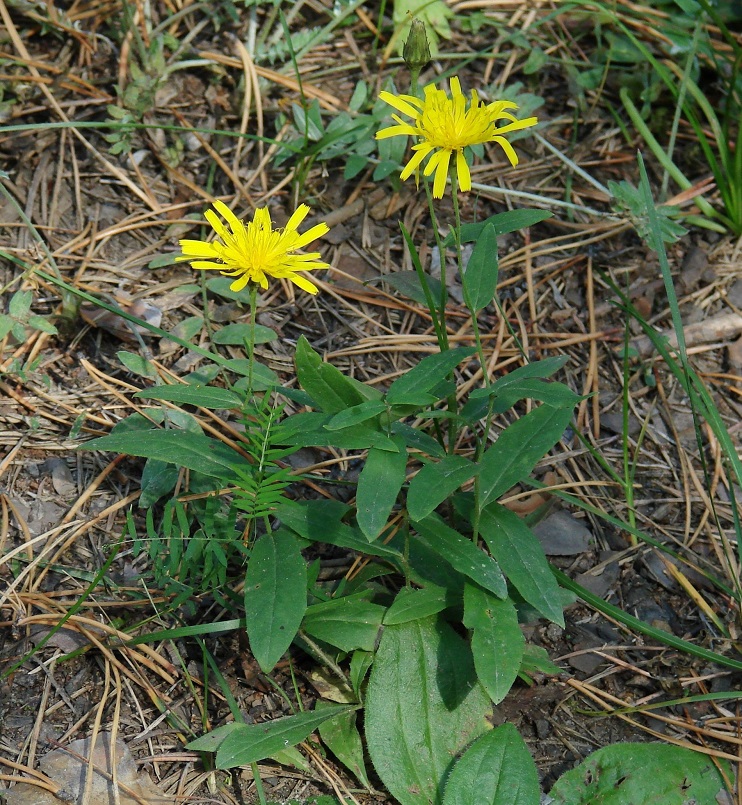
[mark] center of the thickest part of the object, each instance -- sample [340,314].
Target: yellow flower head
[443,125]
[254,251]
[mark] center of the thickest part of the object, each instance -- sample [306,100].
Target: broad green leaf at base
[643,774]
[497,769]
[423,706]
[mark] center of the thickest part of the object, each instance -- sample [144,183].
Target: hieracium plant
[427,636]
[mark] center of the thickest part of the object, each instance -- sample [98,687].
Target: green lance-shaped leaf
[275,596]
[249,743]
[435,482]
[497,769]
[194,451]
[378,486]
[202,396]
[497,642]
[480,277]
[518,449]
[327,386]
[462,554]
[342,738]
[426,375]
[519,553]
[240,334]
[423,706]
[504,222]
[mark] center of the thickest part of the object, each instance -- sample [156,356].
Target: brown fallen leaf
[118,326]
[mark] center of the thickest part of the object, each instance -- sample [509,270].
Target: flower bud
[416,52]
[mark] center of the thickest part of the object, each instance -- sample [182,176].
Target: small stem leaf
[408,284]
[497,642]
[348,623]
[355,415]
[462,554]
[275,596]
[319,521]
[239,334]
[435,482]
[503,222]
[518,448]
[482,270]
[341,737]
[136,364]
[426,375]
[497,769]
[411,604]
[518,551]
[423,706]
[330,389]
[249,743]
[378,486]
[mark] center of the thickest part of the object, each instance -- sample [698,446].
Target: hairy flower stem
[462,275]
[482,442]
[251,340]
[442,254]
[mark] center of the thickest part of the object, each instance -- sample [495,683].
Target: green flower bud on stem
[416,52]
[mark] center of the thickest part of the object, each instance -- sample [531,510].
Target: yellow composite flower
[444,125]
[254,251]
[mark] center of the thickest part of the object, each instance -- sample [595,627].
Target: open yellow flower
[444,125]
[254,251]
